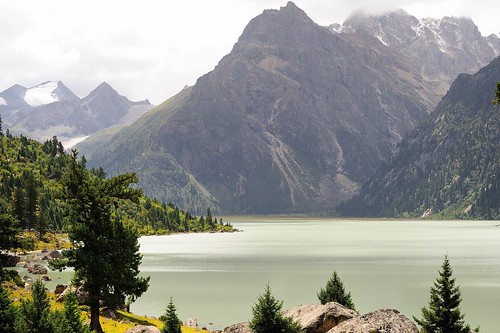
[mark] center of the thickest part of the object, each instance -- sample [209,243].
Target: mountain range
[297,116]
[51,109]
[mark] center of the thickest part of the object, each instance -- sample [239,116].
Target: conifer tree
[171,321]
[268,318]
[443,314]
[496,101]
[7,311]
[34,314]
[334,292]
[72,316]
[105,253]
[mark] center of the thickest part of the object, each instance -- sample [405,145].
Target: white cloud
[152,49]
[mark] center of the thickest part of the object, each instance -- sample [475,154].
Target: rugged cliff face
[294,119]
[449,165]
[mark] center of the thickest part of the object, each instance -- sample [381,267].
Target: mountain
[440,49]
[449,165]
[293,119]
[50,108]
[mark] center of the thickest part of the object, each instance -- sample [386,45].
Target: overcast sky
[153,48]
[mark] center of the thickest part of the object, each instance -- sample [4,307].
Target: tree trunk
[94,318]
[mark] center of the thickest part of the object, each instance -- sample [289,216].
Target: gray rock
[318,318]
[238,328]
[143,329]
[52,255]
[81,294]
[37,269]
[381,321]
[191,322]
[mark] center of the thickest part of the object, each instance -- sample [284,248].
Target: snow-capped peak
[42,94]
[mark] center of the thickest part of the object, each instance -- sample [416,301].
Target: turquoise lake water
[384,264]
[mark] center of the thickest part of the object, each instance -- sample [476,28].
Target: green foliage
[170,319]
[105,253]
[71,317]
[497,94]
[7,311]
[443,314]
[334,292]
[9,229]
[30,191]
[268,318]
[34,314]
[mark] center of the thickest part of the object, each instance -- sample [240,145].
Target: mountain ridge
[52,109]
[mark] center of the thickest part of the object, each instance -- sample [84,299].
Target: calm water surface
[385,264]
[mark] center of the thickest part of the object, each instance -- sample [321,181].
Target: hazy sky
[153,48]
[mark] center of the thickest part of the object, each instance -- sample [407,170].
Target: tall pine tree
[105,253]
[443,314]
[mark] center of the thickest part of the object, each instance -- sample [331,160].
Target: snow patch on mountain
[3,101]
[42,94]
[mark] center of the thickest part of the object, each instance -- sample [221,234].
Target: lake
[384,264]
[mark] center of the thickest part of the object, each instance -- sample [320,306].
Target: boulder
[238,328]
[191,322]
[380,321]
[81,294]
[143,329]
[52,255]
[37,269]
[59,289]
[9,260]
[318,318]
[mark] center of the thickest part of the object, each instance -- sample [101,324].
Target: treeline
[30,188]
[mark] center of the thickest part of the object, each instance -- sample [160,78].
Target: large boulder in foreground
[238,328]
[385,320]
[320,318]
[143,329]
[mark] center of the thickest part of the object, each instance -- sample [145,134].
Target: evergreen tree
[34,314]
[334,292]
[268,318]
[443,314]
[105,253]
[8,233]
[72,316]
[171,321]
[31,202]
[7,310]
[497,94]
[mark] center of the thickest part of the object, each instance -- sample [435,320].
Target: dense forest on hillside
[30,174]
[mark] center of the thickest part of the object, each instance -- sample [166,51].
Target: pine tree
[72,316]
[268,318]
[171,321]
[443,314]
[334,292]
[105,253]
[7,311]
[34,314]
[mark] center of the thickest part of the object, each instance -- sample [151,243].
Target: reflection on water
[385,264]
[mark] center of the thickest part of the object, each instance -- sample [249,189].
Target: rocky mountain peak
[276,26]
